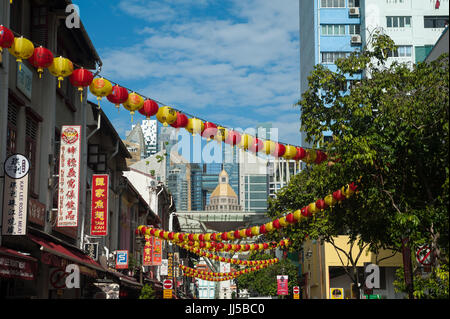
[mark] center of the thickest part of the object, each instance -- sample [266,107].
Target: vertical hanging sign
[99,218]
[69,176]
[15,195]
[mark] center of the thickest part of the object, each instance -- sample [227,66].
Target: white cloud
[233,70]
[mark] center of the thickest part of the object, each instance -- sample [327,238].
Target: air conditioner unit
[356,39]
[354,11]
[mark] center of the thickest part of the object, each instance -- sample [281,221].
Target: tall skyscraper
[331,29]
[150,131]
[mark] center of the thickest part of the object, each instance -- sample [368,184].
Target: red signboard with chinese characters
[99,217]
[152,251]
[69,176]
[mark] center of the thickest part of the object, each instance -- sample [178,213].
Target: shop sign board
[122,259]
[15,195]
[99,205]
[282,285]
[69,176]
[296,292]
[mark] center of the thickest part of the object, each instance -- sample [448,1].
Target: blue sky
[233,62]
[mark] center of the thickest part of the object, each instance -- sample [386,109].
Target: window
[354,29]
[401,51]
[39,22]
[333,29]
[394,1]
[398,22]
[435,21]
[331,57]
[332,3]
[353,3]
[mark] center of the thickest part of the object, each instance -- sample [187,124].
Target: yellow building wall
[325,256]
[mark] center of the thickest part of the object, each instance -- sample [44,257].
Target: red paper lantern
[290,218]
[224,236]
[279,150]
[119,95]
[337,195]
[191,236]
[6,38]
[170,236]
[301,153]
[181,121]
[149,108]
[43,58]
[262,229]
[256,146]
[180,237]
[213,236]
[248,232]
[305,212]
[246,247]
[237,234]
[276,224]
[81,78]
[201,237]
[320,157]
[320,204]
[265,246]
[233,138]
[209,130]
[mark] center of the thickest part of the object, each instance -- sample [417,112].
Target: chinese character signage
[15,195]
[99,222]
[122,259]
[152,251]
[69,176]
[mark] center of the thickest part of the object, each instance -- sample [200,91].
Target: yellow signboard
[336,293]
[296,296]
[167,293]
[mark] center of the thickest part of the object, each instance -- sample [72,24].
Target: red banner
[99,220]
[282,285]
[152,251]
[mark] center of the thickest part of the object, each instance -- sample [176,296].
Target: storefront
[17,274]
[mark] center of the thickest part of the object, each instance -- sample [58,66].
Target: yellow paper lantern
[195,126]
[269,147]
[290,153]
[100,87]
[208,237]
[298,215]
[312,208]
[231,235]
[311,156]
[255,230]
[283,221]
[133,103]
[269,226]
[246,141]
[242,233]
[61,68]
[166,115]
[22,49]
[330,200]
[222,134]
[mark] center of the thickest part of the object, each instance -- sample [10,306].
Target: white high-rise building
[150,131]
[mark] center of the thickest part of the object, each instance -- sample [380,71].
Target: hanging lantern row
[291,218]
[216,247]
[218,276]
[227,260]
[100,87]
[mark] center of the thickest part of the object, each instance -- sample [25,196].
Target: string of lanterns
[60,67]
[218,276]
[289,219]
[233,261]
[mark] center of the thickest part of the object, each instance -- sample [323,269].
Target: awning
[50,250]
[126,280]
[16,265]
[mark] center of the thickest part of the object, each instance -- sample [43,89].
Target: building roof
[223,189]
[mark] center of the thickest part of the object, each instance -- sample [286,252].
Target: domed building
[223,198]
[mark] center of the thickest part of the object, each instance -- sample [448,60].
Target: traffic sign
[423,255]
[167,284]
[296,291]
[167,294]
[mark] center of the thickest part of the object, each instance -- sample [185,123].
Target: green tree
[390,133]
[264,282]
[147,292]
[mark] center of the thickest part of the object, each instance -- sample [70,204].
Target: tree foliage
[390,131]
[264,282]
